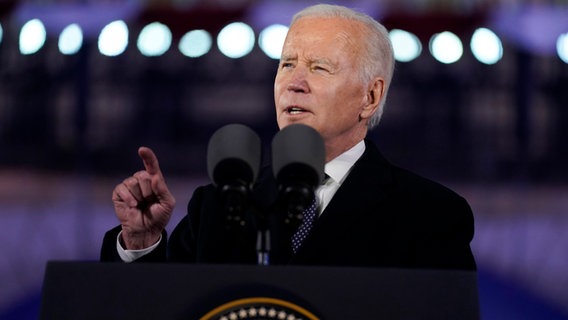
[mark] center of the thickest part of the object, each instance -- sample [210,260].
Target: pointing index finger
[150,160]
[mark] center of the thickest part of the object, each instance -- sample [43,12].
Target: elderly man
[334,74]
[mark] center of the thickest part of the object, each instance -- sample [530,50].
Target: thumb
[150,160]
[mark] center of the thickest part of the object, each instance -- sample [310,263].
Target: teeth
[295,110]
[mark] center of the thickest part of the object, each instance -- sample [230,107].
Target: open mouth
[295,110]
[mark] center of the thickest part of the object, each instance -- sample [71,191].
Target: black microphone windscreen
[298,152]
[233,154]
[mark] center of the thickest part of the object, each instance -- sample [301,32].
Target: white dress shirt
[337,170]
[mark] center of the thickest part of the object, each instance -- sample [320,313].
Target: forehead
[317,33]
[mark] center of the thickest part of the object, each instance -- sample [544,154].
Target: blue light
[32,37]
[236,40]
[486,46]
[446,47]
[70,39]
[154,39]
[406,45]
[113,39]
[271,40]
[195,43]
[562,47]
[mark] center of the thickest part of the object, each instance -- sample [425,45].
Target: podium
[94,290]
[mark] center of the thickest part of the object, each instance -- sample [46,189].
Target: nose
[298,81]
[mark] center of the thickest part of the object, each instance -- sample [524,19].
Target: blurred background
[479,102]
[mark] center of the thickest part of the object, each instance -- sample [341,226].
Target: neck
[333,151]
[345,141]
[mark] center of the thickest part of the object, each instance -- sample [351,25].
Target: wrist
[138,240]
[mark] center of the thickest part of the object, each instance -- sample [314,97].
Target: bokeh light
[406,45]
[446,47]
[154,39]
[562,47]
[236,40]
[113,39]
[271,40]
[70,39]
[195,43]
[486,46]
[32,37]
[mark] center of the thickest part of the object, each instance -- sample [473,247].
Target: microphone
[233,161]
[298,159]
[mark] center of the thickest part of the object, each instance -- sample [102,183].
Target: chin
[286,122]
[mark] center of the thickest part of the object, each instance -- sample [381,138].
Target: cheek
[277,89]
[352,99]
[337,102]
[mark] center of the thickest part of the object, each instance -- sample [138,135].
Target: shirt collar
[338,168]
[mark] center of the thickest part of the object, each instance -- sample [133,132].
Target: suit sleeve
[182,246]
[445,241]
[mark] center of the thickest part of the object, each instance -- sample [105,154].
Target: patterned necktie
[310,214]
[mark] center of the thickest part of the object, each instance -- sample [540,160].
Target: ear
[375,94]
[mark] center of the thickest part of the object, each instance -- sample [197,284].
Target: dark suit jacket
[381,216]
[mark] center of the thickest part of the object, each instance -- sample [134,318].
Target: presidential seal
[259,308]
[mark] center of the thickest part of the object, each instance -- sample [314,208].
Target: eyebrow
[293,57]
[288,57]
[323,61]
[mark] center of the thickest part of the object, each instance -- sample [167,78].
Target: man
[334,74]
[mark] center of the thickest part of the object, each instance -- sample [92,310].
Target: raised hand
[143,204]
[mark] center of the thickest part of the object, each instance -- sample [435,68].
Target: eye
[285,65]
[320,68]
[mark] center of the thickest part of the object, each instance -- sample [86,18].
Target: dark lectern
[92,290]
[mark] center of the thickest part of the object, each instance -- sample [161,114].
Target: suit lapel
[361,193]
[363,187]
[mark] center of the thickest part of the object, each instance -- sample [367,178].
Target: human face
[318,82]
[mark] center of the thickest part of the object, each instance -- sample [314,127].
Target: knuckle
[130,181]
[142,175]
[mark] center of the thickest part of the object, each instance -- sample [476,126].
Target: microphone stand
[298,196]
[263,240]
[263,247]
[236,196]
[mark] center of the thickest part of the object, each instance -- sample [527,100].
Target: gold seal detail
[259,308]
